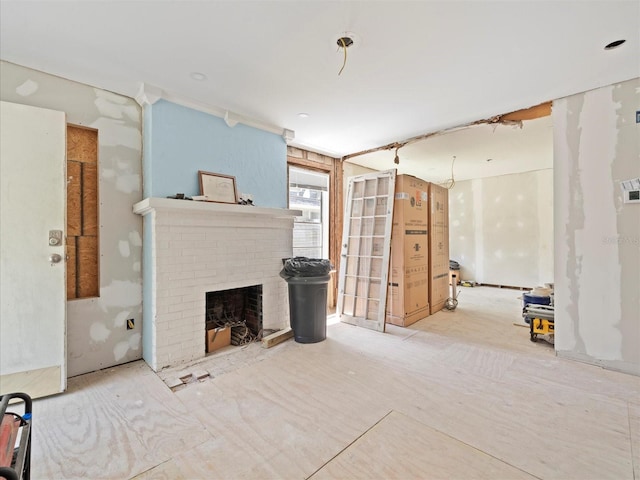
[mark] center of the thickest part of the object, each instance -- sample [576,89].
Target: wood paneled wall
[82,213]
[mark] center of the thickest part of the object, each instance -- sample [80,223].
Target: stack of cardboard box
[419,265]
[407,294]
[439,247]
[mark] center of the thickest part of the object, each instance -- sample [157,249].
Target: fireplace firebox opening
[233,317]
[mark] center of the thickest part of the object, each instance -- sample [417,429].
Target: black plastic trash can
[308,308]
[307,279]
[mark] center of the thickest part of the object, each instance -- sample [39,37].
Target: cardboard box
[407,296]
[218,338]
[407,293]
[410,232]
[439,290]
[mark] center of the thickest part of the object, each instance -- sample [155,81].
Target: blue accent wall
[146,151]
[179,141]
[148,274]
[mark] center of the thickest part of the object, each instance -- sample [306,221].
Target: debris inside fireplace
[239,309]
[240,333]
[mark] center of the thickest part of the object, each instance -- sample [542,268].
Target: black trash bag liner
[305,267]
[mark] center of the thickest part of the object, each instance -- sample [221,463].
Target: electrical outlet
[631,196]
[131,323]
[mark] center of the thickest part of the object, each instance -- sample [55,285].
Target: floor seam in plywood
[350,443]
[167,461]
[633,458]
[452,437]
[415,332]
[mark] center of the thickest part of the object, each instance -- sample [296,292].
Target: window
[309,192]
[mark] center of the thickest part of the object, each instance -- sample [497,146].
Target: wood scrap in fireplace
[241,335]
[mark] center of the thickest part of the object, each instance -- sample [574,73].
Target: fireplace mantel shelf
[155,203]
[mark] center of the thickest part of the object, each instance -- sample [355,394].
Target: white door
[32,277]
[366,247]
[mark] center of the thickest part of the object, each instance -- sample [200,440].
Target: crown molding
[149,94]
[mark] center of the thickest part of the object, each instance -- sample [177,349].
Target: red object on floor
[8,434]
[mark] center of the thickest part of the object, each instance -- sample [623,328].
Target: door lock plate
[55,238]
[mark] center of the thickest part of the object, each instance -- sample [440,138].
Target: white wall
[501,228]
[96,328]
[597,237]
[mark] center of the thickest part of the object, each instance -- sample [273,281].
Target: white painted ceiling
[416,66]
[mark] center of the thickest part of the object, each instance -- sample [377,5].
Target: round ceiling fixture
[613,45]
[198,76]
[303,115]
[344,42]
[351,40]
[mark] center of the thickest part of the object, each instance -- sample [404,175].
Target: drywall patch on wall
[599,274]
[121,293]
[124,348]
[115,133]
[120,350]
[135,238]
[568,216]
[119,153]
[98,332]
[125,180]
[124,248]
[29,87]
[128,183]
[115,106]
[597,296]
[121,319]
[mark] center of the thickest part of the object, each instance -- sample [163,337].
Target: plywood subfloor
[470,396]
[400,448]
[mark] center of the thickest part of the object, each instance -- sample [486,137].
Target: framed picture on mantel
[217,187]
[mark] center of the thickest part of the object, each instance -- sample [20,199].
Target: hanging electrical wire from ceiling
[396,160]
[344,43]
[449,183]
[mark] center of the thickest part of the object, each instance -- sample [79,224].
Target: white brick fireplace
[191,248]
